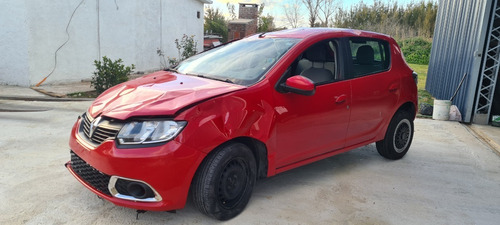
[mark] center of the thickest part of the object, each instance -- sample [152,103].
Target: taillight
[415,77]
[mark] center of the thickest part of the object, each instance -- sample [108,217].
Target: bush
[109,74]
[416,50]
[186,48]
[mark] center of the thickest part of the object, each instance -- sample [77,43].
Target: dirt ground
[448,177]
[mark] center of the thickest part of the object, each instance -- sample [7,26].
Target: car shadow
[278,186]
[315,172]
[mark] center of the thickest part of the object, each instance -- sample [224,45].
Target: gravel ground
[448,177]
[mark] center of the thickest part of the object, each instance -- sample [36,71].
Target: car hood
[159,94]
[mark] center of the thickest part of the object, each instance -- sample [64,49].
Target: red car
[246,110]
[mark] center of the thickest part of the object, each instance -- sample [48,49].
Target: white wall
[32,30]
[13,43]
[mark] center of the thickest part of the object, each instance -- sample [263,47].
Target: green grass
[423,95]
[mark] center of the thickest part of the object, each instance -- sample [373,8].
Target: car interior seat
[314,65]
[365,59]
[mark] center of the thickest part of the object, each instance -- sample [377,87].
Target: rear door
[375,89]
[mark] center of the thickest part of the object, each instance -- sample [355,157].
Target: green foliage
[265,23]
[416,50]
[422,74]
[186,48]
[423,95]
[412,20]
[109,73]
[215,23]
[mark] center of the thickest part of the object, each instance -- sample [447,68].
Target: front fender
[227,117]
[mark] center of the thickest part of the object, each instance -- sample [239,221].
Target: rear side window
[369,56]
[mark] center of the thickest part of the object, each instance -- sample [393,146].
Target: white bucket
[441,109]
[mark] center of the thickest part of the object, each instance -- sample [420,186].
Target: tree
[264,23]
[327,8]
[292,13]
[215,22]
[231,10]
[313,8]
[401,22]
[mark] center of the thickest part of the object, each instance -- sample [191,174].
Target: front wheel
[224,182]
[398,137]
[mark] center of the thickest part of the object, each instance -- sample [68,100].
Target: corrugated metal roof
[457,47]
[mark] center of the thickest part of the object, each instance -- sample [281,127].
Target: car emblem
[94,125]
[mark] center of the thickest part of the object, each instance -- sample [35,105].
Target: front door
[307,126]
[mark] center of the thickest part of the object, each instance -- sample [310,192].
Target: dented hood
[158,94]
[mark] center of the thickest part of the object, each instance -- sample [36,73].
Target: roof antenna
[262,35]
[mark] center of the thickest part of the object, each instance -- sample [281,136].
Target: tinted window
[369,56]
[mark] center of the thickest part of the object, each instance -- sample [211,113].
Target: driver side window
[318,63]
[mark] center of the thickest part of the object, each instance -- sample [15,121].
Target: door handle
[393,87]
[340,99]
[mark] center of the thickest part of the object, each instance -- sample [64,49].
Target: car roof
[303,33]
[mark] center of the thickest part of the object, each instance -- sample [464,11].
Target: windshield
[242,62]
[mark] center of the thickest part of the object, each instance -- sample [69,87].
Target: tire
[224,182]
[398,137]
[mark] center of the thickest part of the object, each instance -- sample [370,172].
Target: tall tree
[292,13]
[215,22]
[326,9]
[313,9]
[264,23]
[232,11]
[411,20]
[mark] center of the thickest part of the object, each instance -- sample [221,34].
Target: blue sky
[275,8]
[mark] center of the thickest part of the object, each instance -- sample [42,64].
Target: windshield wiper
[171,70]
[211,78]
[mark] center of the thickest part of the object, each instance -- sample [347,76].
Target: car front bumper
[167,169]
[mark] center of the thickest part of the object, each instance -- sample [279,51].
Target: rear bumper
[168,169]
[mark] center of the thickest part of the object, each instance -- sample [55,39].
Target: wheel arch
[408,107]
[257,147]
[259,151]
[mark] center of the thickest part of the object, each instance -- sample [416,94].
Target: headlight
[149,132]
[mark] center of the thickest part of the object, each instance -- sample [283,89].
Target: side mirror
[299,85]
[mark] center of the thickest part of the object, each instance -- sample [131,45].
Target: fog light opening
[139,190]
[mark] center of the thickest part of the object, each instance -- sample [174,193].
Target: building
[139,32]
[466,49]
[246,24]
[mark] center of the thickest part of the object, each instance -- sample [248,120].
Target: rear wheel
[224,182]
[398,137]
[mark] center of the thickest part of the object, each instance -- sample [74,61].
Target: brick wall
[248,11]
[238,30]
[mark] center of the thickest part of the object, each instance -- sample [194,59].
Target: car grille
[89,174]
[106,129]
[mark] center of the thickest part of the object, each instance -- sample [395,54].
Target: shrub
[186,48]
[416,50]
[109,74]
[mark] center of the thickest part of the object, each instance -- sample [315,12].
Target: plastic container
[441,109]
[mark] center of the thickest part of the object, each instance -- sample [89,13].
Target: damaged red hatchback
[250,109]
